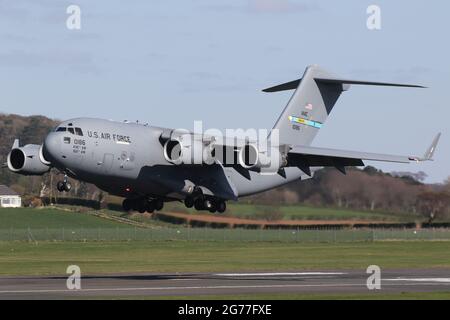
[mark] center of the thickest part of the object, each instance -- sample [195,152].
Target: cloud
[279,6]
[202,75]
[16,38]
[205,81]
[395,74]
[82,36]
[82,62]
[156,56]
[414,71]
[266,6]
[12,11]
[34,11]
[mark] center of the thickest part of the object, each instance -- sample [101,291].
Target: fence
[222,235]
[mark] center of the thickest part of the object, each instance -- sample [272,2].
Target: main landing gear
[143,205]
[64,185]
[203,202]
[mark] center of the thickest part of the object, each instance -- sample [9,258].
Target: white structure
[9,198]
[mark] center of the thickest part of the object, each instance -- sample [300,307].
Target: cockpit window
[79,132]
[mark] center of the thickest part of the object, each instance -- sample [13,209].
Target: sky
[170,63]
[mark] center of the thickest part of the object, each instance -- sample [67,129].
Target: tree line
[366,189]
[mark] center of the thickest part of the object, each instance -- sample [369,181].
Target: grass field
[67,217]
[52,224]
[207,250]
[183,234]
[21,258]
[54,218]
[51,218]
[312,213]
[299,212]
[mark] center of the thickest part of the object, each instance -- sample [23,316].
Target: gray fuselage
[127,159]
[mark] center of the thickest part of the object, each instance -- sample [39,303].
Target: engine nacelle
[28,160]
[251,158]
[188,150]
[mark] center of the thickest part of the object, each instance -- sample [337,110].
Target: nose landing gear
[64,185]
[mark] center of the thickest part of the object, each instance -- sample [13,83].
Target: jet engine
[188,150]
[251,158]
[28,160]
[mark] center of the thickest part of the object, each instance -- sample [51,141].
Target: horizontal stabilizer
[292,85]
[370,83]
[284,87]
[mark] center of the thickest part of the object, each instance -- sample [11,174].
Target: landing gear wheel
[139,205]
[63,186]
[189,202]
[208,205]
[159,204]
[60,186]
[67,186]
[221,207]
[127,205]
[134,204]
[142,209]
[198,204]
[150,206]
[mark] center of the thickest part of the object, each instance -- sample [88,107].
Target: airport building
[9,198]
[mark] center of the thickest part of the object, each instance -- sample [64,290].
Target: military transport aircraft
[150,165]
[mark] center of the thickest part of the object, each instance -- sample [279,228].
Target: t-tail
[315,95]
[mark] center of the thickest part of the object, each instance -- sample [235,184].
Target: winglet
[428,156]
[430,152]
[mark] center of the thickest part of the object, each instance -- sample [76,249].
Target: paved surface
[122,285]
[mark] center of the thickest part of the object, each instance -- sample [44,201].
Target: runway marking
[440,280]
[200,287]
[275,274]
[177,288]
[184,279]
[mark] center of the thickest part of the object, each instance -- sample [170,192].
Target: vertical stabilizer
[309,106]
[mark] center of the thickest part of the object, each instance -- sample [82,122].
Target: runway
[157,285]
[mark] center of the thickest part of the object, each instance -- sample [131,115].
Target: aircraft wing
[305,157]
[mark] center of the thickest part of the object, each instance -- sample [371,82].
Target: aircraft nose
[51,147]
